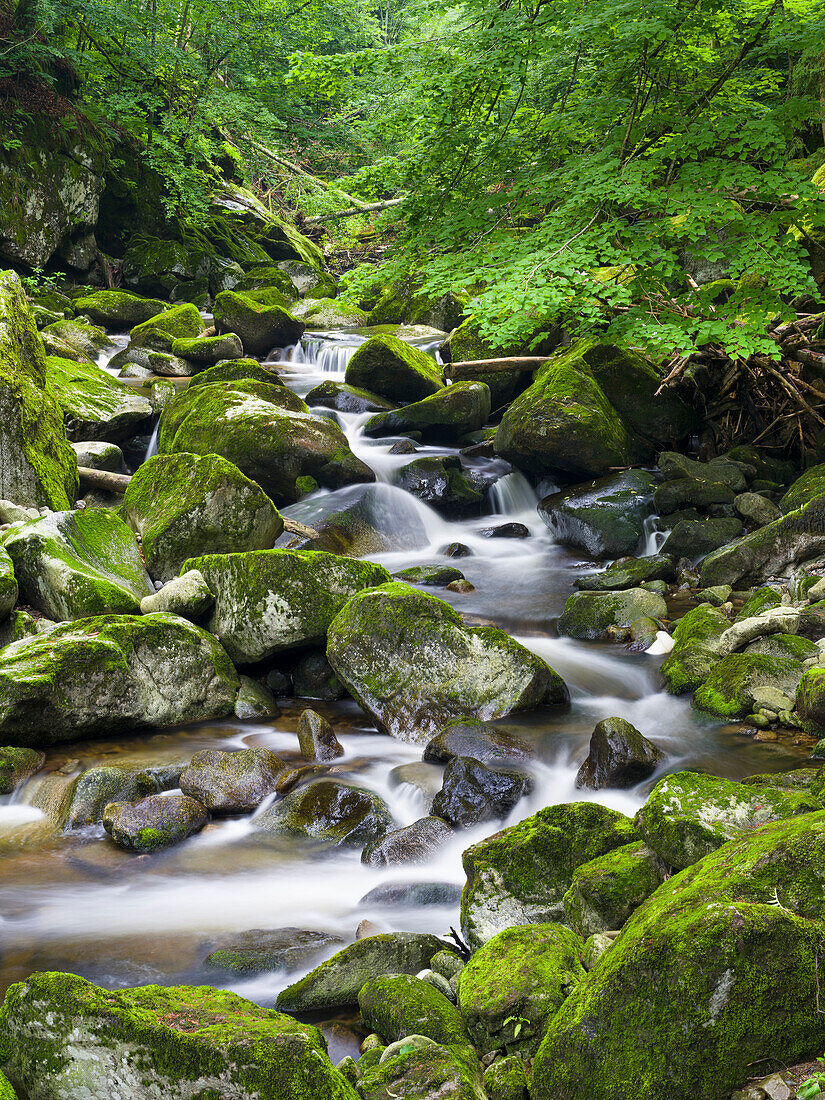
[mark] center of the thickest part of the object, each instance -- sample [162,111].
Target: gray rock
[606,517]
[255,701]
[328,811]
[425,778]
[316,738]
[188,595]
[414,843]
[619,756]
[694,539]
[99,455]
[260,951]
[314,678]
[472,737]
[17,765]
[472,793]
[413,895]
[231,782]
[156,822]
[602,615]
[756,509]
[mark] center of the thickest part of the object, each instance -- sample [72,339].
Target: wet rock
[601,615]
[261,951]
[328,811]
[506,531]
[97,787]
[674,466]
[456,550]
[314,678]
[95,405]
[360,521]
[462,586]
[776,620]
[432,576]
[756,509]
[153,1025]
[231,782]
[344,398]
[472,792]
[160,332]
[268,601]
[254,701]
[810,699]
[150,670]
[629,573]
[400,1005]
[690,492]
[415,843]
[716,596]
[443,417]
[695,642]
[236,370]
[413,895]
[118,310]
[605,518]
[688,815]
[261,327]
[17,765]
[619,756]
[39,467]
[403,447]
[732,687]
[207,351]
[472,737]
[694,539]
[339,980]
[387,366]
[188,595]
[8,585]
[156,822]
[443,483]
[726,972]
[515,982]
[606,891]
[316,738]
[807,487]
[520,875]
[73,564]
[416,1071]
[266,431]
[375,646]
[506,1079]
[84,339]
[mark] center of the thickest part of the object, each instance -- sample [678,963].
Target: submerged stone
[260,951]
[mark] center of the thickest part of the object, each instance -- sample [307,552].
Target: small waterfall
[513,495]
[116,345]
[152,449]
[653,539]
[327,354]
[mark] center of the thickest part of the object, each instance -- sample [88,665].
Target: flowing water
[72,901]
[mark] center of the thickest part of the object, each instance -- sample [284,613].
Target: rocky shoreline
[599,954]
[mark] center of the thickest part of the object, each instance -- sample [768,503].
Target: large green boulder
[515,982]
[154,265]
[735,685]
[236,370]
[387,366]
[442,418]
[520,875]
[805,489]
[111,673]
[339,980]
[64,1037]
[715,974]
[415,1068]
[85,340]
[38,466]
[565,423]
[410,662]
[267,432]
[118,309]
[184,505]
[597,616]
[695,645]
[397,1005]
[160,332]
[268,601]
[810,700]
[688,815]
[330,813]
[768,551]
[605,891]
[73,564]
[95,405]
[154,822]
[606,517]
[260,326]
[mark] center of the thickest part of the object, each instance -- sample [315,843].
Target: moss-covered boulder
[118,309]
[260,326]
[619,756]
[506,1079]
[260,951]
[236,370]
[329,812]
[398,1005]
[442,418]
[443,483]
[17,765]
[344,398]
[695,538]
[231,782]
[687,815]
[63,1036]
[515,982]
[597,616]
[416,1067]
[734,686]
[39,467]
[155,822]
[629,573]
[520,875]
[714,974]
[606,517]
[471,737]
[810,699]
[95,405]
[605,891]
[183,505]
[565,423]
[161,331]
[695,645]
[73,564]
[805,489]
[96,787]
[108,674]
[268,601]
[9,590]
[764,553]
[87,340]
[207,351]
[387,366]
[19,624]
[339,980]
[267,432]
[154,265]
[412,665]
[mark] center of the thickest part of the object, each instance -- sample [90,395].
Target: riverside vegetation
[412,550]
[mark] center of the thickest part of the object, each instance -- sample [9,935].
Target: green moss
[118,309]
[387,366]
[715,973]
[329,812]
[807,487]
[515,982]
[87,340]
[444,417]
[39,467]
[728,689]
[402,1005]
[605,891]
[260,325]
[521,874]
[694,649]
[17,765]
[420,1074]
[688,815]
[264,276]
[95,405]
[236,370]
[601,615]
[506,1079]
[68,1036]
[160,332]
[762,599]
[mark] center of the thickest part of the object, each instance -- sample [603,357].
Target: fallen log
[118,483]
[495,366]
[316,219]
